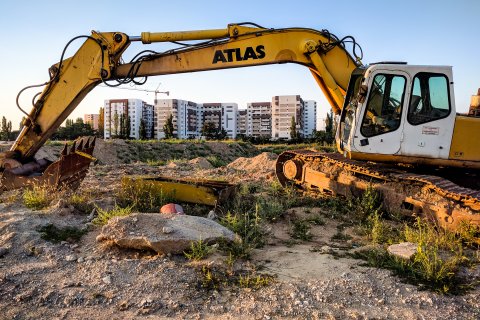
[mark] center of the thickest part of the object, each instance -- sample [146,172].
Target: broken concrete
[404,250]
[163,233]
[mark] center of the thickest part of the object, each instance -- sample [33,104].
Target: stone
[212,215]
[107,280]
[70,257]
[149,232]
[404,250]
[172,208]
[167,230]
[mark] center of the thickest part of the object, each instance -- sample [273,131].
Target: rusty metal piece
[67,172]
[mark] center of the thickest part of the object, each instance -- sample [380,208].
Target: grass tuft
[105,215]
[198,250]
[37,198]
[55,234]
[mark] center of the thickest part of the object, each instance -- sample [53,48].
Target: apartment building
[136,110]
[259,119]
[309,118]
[91,119]
[185,118]
[242,122]
[283,109]
[223,115]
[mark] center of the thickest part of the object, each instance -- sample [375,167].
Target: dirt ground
[87,280]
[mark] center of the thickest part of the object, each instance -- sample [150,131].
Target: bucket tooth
[80,145]
[65,150]
[73,148]
[87,144]
[93,142]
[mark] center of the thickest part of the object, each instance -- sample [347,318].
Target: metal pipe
[148,37]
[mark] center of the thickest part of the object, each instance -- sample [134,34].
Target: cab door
[430,118]
[379,128]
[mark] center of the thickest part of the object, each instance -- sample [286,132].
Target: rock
[70,257]
[147,232]
[107,279]
[171,208]
[212,215]
[167,230]
[201,163]
[404,250]
[80,260]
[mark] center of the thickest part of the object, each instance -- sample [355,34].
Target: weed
[156,163]
[340,236]
[81,202]
[379,231]
[301,230]
[198,251]
[316,220]
[55,234]
[367,205]
[37,197]
[436,263]
[271,209]
[216,161]
[214,278]
[105,215]
[143,195]
[254,281]
[248,227]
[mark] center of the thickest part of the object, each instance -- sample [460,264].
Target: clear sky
[428,32]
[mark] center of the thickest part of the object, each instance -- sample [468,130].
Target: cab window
[430,98]
[384,106]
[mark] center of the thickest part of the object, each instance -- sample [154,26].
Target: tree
[142,130]
[115,125]
[293,129]
[127,127]
[209,130]
[4,129]
[168,127]
[101,123]
[9,130]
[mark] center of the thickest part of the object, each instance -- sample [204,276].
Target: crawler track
[408,192]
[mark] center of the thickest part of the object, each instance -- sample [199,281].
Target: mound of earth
[263,164]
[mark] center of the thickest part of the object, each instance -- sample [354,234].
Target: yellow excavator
[397,127]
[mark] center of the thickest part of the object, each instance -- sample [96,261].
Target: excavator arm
[99,60]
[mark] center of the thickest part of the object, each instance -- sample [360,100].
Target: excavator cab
[403,114]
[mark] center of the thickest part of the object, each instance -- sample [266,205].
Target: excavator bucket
[65,173]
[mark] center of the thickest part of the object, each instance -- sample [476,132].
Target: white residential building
[242,122]
[138,111]
[185,118]
[259,119]
[309,118]
[283,109]
[223,115]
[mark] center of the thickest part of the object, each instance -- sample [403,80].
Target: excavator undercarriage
[403,191]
